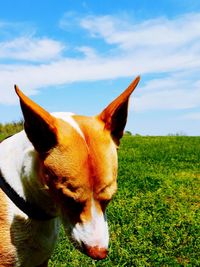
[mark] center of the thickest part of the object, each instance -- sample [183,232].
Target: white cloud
[167,100]
[70,21]
[155,32]
[157,45]
[31,49]
[87,51]
[102,26]
[172,93]
[151,47]
[57,73]
[192,116]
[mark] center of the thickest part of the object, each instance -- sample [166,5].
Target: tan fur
[7,250]
[95,176]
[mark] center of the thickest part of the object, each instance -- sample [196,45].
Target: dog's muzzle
[95,253]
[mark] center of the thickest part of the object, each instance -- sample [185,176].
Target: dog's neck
[23,173]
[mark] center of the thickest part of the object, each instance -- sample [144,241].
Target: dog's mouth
[95,252]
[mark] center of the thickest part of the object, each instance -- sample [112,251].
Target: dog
[62,168]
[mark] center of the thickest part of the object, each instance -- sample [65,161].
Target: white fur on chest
[12,153]
[34,240]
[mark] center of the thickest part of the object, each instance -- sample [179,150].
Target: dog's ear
[39,125]
[115,115]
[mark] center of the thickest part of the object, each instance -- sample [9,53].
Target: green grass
[154,218]
[9,129]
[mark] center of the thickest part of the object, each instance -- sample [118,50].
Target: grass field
[155,216]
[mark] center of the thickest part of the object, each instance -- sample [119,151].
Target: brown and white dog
[63,167]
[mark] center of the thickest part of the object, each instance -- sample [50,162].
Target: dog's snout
[96,253]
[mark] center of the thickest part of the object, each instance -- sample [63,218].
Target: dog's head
[79,165]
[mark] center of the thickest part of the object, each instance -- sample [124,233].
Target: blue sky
[79,55]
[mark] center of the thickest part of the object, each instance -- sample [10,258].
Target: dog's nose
[96,253]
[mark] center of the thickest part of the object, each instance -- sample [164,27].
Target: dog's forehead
[85,152]
[101,149]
